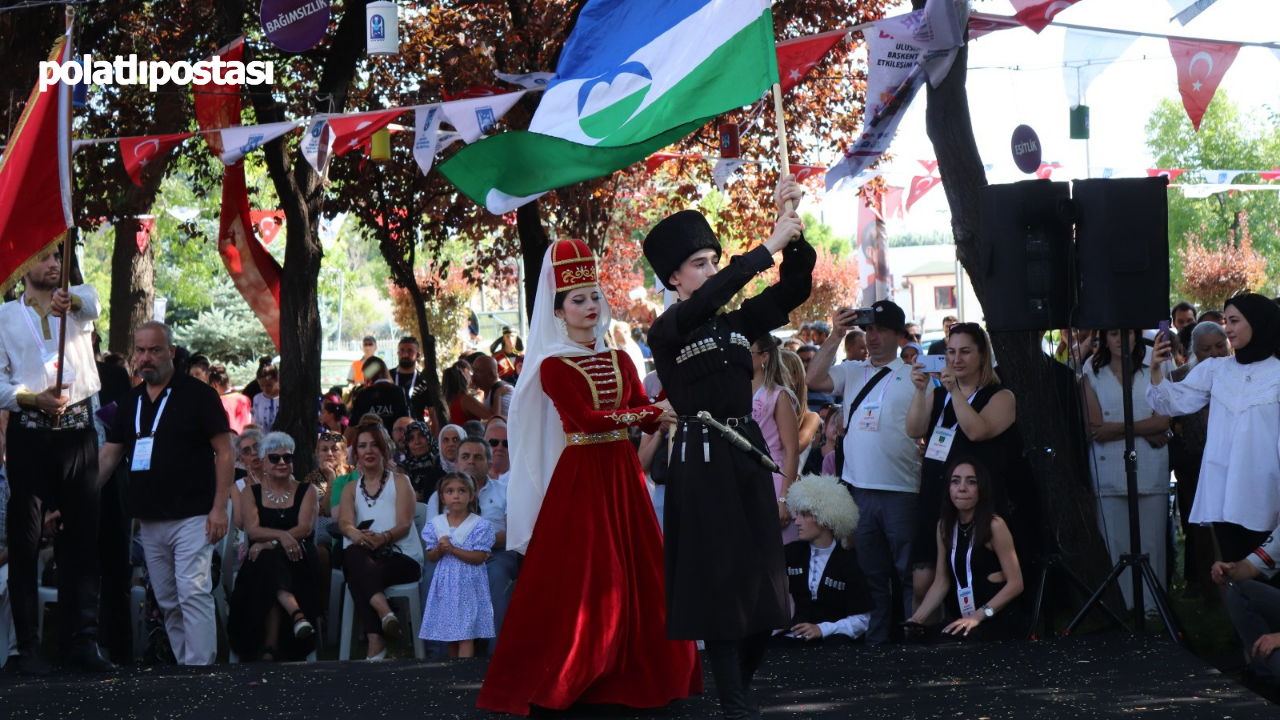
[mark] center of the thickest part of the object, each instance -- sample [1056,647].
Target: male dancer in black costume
[723,543]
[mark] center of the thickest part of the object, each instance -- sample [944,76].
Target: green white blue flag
[633,78]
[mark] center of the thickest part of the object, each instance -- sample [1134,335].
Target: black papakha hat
[674,239]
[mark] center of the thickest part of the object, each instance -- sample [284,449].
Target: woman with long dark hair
[976,559]
[974,417]
[463,406]
[1104,401]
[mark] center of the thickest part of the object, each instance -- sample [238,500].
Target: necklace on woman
[372,500]
[965,527]
[283,498]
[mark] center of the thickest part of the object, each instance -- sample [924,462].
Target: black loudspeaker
[1025,254]
[1122,253]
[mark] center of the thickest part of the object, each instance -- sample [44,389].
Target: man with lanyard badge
[53,462]
[879,460]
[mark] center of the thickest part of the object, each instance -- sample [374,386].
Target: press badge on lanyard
[869,415]
[964,594]
[941,439]
[144,445]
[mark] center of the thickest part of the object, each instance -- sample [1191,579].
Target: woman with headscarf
[421,463]
[587,621]
[1239,491]
[450,438]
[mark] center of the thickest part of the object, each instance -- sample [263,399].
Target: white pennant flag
[473,117]
[1085,56]
[317,143]
[936,27]
[243,139]
[1220,177]
[426,141]
[528,81]
[723,169]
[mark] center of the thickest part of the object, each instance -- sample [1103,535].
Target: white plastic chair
[407,591]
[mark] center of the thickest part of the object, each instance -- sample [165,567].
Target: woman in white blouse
[1239,490]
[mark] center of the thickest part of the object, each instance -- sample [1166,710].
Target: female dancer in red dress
[587,623]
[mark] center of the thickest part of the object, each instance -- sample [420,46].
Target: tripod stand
[1135,560]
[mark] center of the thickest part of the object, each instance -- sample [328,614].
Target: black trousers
[368,575]
[54,470]
[115,613]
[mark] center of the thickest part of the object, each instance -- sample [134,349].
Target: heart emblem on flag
[607,102]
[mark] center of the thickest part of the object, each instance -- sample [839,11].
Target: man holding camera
[879,460]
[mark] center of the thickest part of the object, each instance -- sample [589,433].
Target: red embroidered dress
[587,623]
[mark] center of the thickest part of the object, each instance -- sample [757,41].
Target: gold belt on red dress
[596,438]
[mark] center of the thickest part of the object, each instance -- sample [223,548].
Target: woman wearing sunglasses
[277,592]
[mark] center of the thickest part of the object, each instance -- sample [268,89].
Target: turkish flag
[255,273]
[891,203]
[798,56]
[138,151]
[351,131]
[33,217]
[655,160]
[477,91]
[1201,66]
[267,223]
[1273,175]
[1164,172]
[218,106]
[983,23]
[144,232]
[1045,171]
[929,165]
[804,172]
[920,185]
[1037,14]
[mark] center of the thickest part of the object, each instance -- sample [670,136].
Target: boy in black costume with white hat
[723,546]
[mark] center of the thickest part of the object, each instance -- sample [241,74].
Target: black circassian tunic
[724,563]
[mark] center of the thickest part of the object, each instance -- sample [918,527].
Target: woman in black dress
[977,566]
[972,416]
[277,591]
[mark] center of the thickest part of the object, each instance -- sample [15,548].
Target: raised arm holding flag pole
[48,379]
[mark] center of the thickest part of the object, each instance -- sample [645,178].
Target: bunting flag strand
[240,141]
[137,152]
[920,185]
[1037,14]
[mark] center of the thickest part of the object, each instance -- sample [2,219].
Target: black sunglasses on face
[327,436]
[249,449]
[494,442]
[275,459]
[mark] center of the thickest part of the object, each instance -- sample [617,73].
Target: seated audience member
[398,449]
[421,463]
[495,433]
[978,574]
[198,368]
[277,591]
[450,438]
[331,463]
[239,408]
[381,543]
[249,470]
[829,593]
[266,404]
[1254,604]
[381,397]
[333,417]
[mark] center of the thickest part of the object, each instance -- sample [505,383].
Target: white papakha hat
[826,499]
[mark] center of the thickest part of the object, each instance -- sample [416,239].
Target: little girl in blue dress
[458,607]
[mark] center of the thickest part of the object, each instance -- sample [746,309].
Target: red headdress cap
[574,264]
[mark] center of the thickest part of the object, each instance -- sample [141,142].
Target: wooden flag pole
[780,126]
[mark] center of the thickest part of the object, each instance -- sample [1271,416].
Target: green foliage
[821,235]
[228,332]
[1229,139]
[911,239]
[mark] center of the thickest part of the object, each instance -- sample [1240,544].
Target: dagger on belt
[738,440]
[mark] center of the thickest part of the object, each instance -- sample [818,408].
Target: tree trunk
[1070,509]
[301,195]
[133,277]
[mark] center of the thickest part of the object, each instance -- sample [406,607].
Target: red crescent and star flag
[136,152]
[1201,67]
[920,185]
[796,58]
[1037,14]
[35,177]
